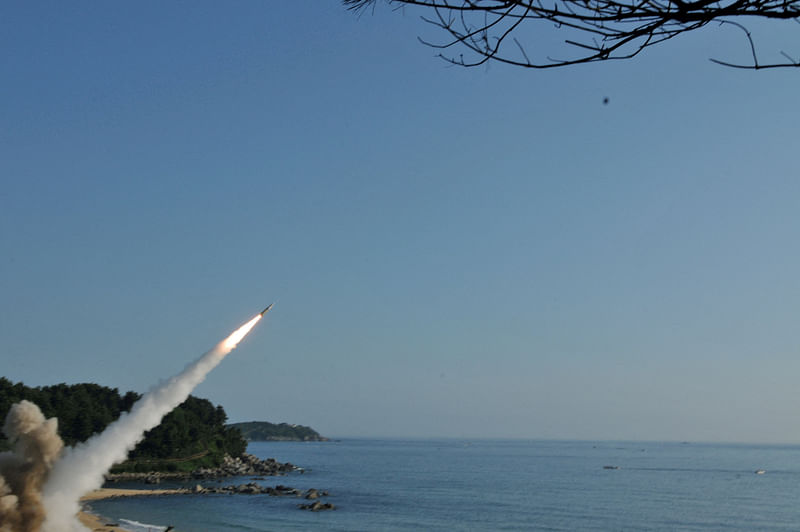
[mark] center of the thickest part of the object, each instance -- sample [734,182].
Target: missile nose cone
[267,309]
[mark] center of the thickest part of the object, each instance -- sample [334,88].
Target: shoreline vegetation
[244,465]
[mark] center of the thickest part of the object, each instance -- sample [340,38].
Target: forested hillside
[192,435]
[266,431]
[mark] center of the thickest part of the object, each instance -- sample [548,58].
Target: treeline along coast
[193,436]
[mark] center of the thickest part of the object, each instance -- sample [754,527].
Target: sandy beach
[93,522]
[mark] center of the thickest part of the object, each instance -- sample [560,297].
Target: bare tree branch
[596,30]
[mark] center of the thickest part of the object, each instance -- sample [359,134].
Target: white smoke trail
[82,467]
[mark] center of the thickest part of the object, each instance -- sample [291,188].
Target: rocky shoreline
[312,495]
[246,465]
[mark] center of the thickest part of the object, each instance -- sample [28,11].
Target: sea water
[498,485]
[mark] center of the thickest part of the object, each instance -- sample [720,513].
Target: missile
[266,309]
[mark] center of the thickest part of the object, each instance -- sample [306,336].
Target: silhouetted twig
[599,30]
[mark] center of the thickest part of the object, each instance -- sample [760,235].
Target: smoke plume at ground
[36,446]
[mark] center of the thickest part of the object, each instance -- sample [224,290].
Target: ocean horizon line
[521,439]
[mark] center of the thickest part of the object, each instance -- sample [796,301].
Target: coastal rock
[252,488]
[280,490]
[317,506]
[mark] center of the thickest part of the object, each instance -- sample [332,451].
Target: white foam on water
[136,526]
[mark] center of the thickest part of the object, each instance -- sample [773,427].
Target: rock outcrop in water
[246,465]
[317,506]
[251,488]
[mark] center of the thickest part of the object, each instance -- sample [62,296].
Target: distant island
[266,431]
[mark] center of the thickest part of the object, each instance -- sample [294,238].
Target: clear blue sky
[454,252]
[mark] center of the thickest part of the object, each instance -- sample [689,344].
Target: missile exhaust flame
[233,340]
[82,468]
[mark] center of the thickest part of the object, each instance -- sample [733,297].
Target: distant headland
[266,431]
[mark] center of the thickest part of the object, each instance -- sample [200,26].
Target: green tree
[196,428]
